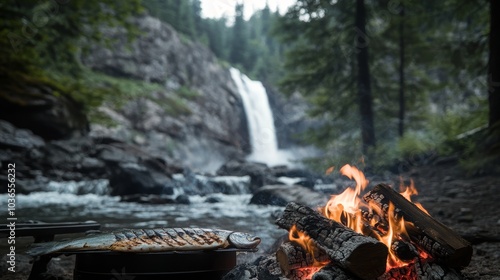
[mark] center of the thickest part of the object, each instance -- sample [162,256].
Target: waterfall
[260,120]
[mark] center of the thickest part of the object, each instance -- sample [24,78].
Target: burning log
[404,250]
[438,240]
[291,256]
[302,273]
[362,255]
[332,272]
[421,270]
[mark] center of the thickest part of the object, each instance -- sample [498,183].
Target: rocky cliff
[196,118]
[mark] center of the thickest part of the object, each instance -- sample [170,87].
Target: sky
[218,8]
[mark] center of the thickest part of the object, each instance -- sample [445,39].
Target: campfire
[380,234]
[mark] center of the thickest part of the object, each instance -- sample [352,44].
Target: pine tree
[239,45]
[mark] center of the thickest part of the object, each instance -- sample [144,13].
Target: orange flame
[363,217]
[307,244]
[409,191]
[346,208]
[329,170]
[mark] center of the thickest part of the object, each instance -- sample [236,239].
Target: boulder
[148,199]
[39,108]
[281,195]
[132,178]
[260,174]
[18,139]
[182,199]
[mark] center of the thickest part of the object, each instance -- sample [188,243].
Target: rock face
[40,109]
[290,117]
[205,124]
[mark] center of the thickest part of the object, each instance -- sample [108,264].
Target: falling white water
[260,121]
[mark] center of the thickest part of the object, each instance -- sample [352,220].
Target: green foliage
[187,93]
[239,43]
[184,16]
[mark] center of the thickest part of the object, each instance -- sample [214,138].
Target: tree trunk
[364,89]
[401,72]
[494,64]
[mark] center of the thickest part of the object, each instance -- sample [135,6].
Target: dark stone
[161,165]
[130,178]
[111,154]
[148,199]
[38,109]
[281,195]
[18,139]
[212,199]
[182,199]
[89,164]
[260,174]
[308,183]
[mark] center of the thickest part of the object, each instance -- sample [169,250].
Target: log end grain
[368,260]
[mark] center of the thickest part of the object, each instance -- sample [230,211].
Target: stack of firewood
[430,251]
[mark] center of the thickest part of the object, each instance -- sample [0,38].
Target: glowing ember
[349,209]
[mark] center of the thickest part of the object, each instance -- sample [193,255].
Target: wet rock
[231,184]
[48,115]
[148,199]
[281,195]
[18,139]
[260,174]
[112,154]
[212,199]
[131,178]
[196,184]
[89,164]
[182,199]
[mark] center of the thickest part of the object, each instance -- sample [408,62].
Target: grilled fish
[152,240]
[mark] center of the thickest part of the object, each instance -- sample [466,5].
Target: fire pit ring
[107,265]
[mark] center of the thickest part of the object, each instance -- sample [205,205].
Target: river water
[233,212]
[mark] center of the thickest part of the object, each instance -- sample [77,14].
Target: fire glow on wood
[379,235]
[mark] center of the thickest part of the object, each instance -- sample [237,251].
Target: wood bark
[402,101]
[435,238]
[405,251]
[364,87]
[362,255]
[291,256]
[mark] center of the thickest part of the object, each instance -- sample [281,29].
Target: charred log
[404,250]
[263,268]
[438,240]
[302,273]
[292,256]
[362,255]
[421,270]
[332,272]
